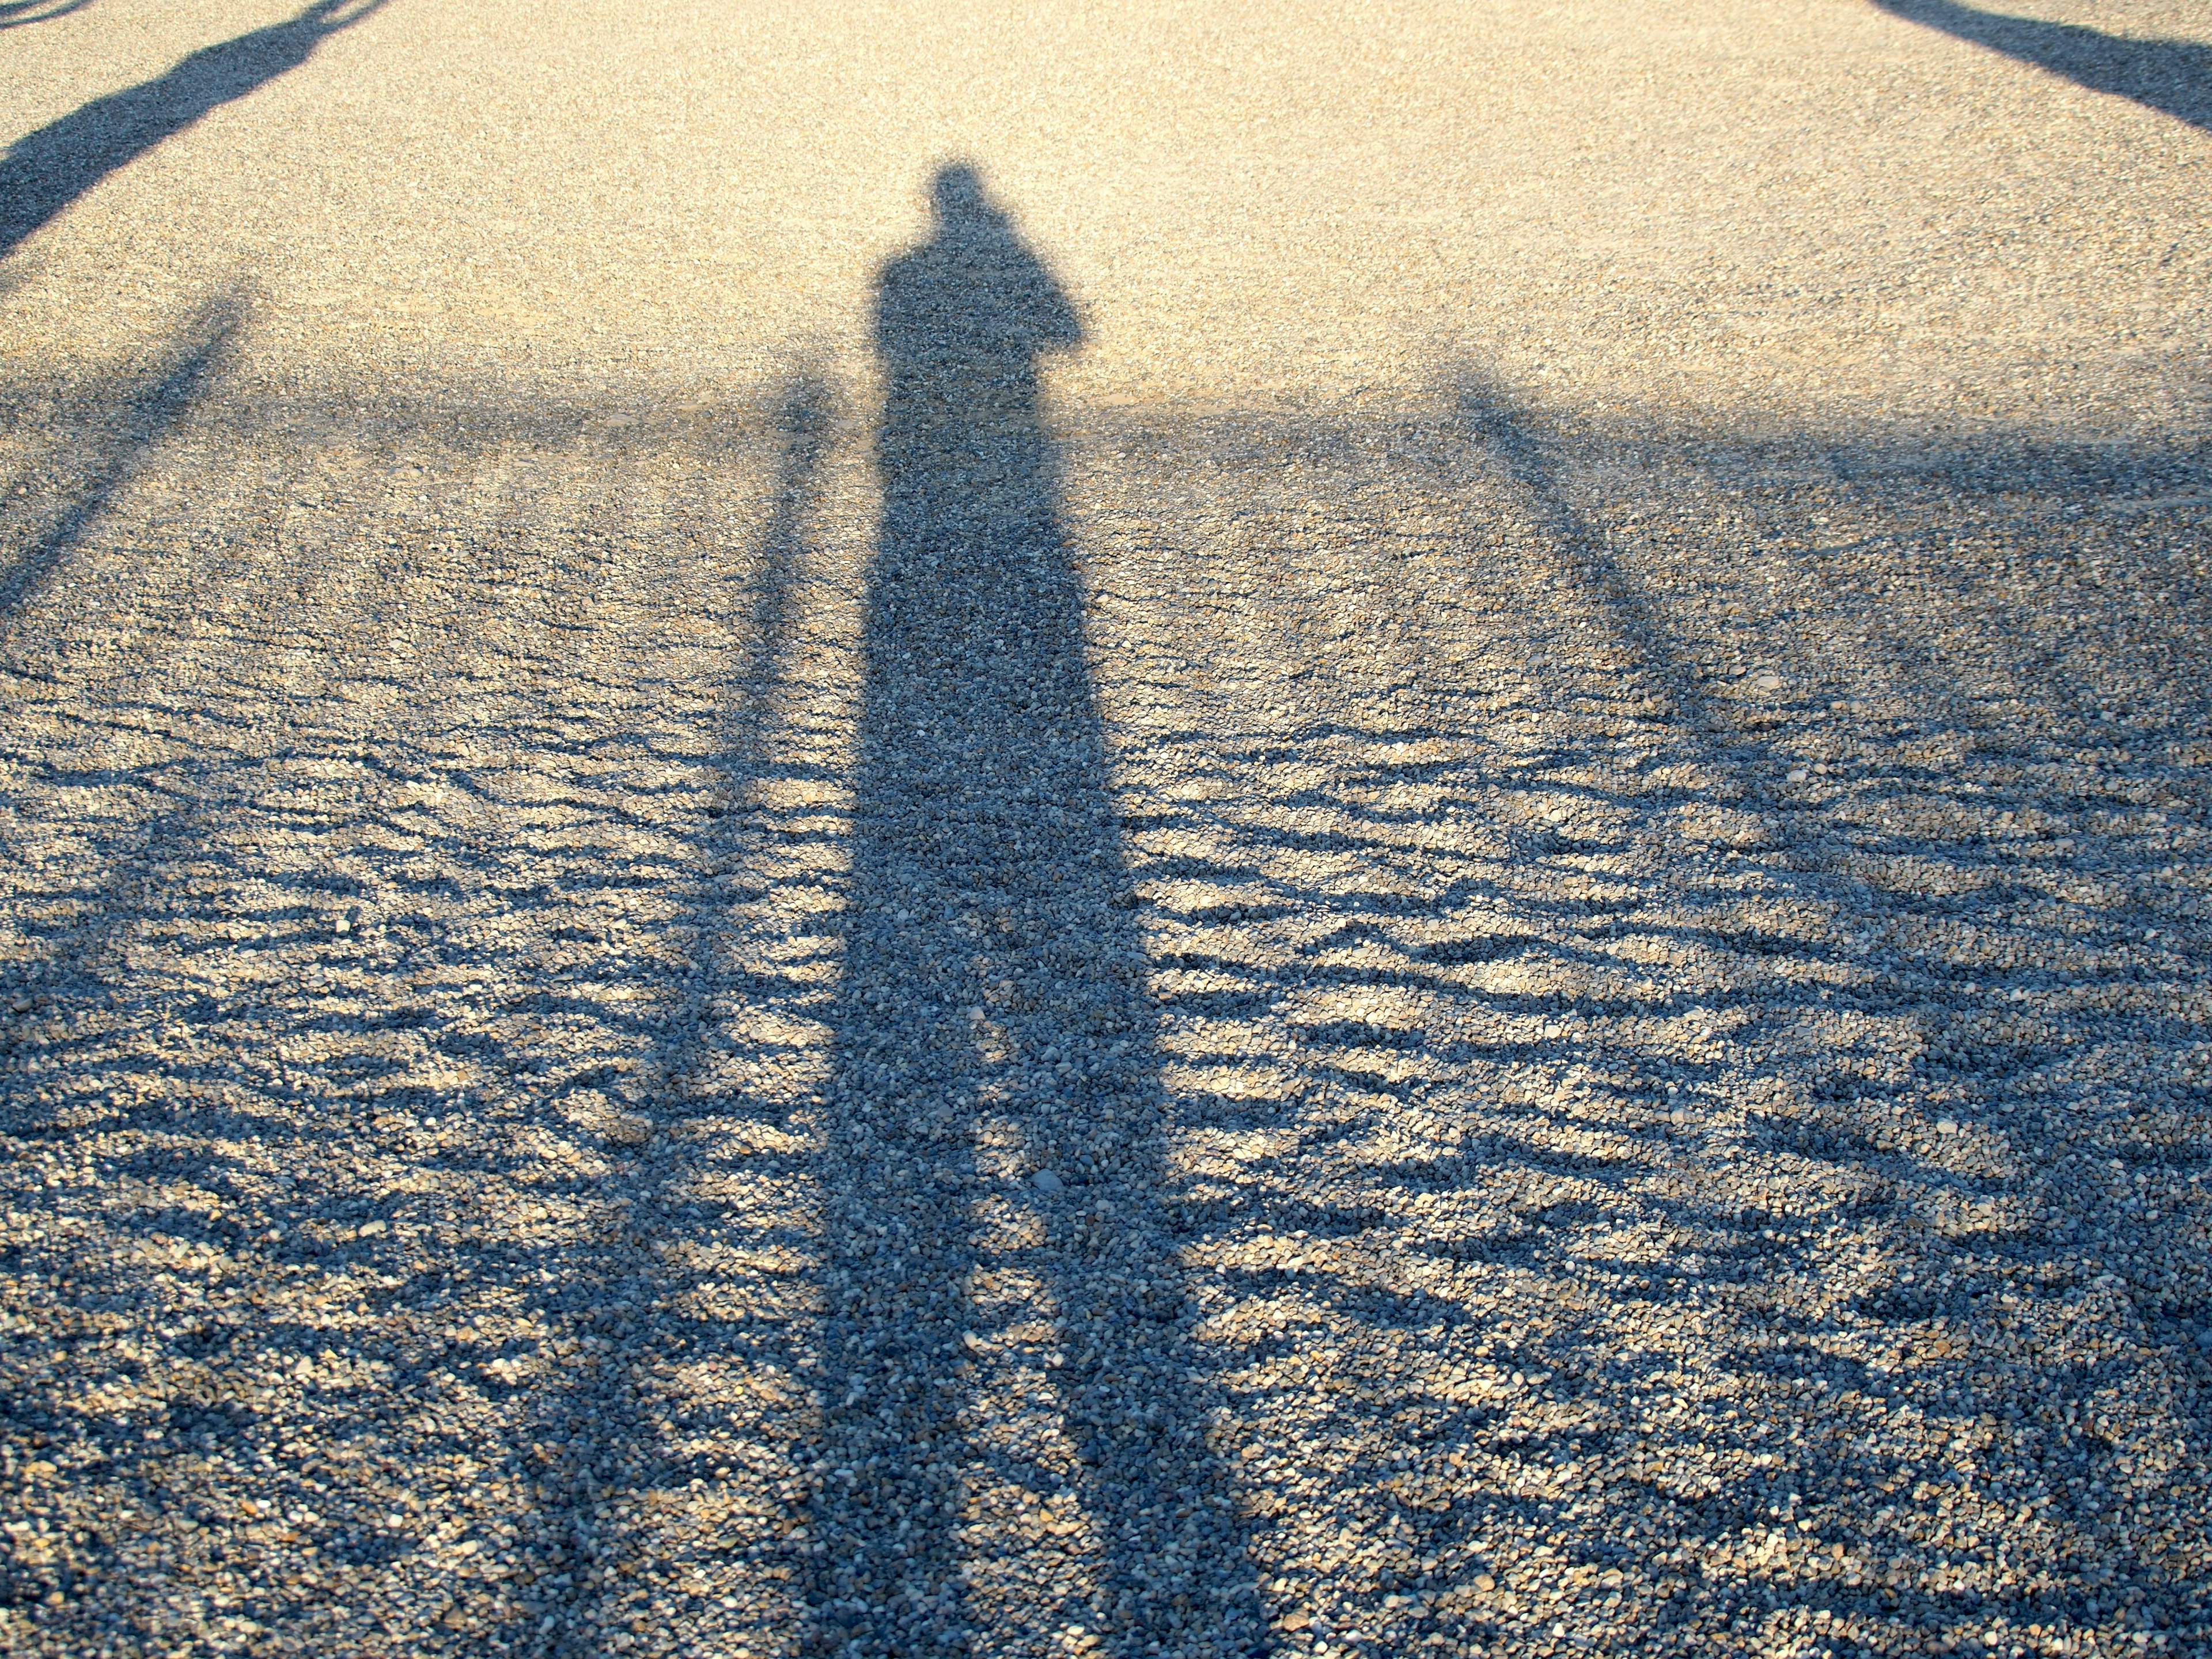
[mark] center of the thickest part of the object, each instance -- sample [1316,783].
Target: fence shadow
[993,1218]
[1457,914]
[119,438]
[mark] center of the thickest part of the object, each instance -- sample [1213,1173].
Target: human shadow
[45,171]
[1002,1299]
[2172,76]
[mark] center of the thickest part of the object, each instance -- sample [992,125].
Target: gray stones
[1470,970]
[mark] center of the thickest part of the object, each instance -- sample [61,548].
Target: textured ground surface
[1410,856]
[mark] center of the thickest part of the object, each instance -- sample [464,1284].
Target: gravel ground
[1401,846]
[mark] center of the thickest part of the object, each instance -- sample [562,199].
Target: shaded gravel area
[980,978]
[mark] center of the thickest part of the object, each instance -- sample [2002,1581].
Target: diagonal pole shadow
[2172,76]
[1517,442]
[44,171]
[1537,456]
[1012,1444]
[145,415]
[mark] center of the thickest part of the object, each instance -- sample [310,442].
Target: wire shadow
[992,1023]
[45,171]
[17,14]
[2172,76]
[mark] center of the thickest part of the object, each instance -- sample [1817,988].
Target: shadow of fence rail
[542,983]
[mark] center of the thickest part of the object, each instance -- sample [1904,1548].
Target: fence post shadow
[141,418]
[1002,1302]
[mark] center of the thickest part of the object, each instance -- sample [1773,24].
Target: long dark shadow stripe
[2172,76]
[990,893]
[144,416]
[44,171]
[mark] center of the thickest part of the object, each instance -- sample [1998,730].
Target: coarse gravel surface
[1152,831]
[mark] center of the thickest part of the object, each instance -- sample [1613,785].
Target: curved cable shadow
[19,14]
[995,1347]
[2172,76]
[1762,1238]
[45,171]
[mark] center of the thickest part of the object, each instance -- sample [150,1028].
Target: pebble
[895,912]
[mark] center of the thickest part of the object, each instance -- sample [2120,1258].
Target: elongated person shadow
[1011,1445]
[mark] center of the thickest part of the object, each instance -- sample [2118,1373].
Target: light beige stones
[1568,738]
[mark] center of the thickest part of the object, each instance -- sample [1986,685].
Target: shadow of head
[972,299]
[957,193]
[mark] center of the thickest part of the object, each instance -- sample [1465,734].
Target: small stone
[1946,1126]
[1045,1181]
[1769,682]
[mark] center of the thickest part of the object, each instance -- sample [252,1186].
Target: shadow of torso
[960,323]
